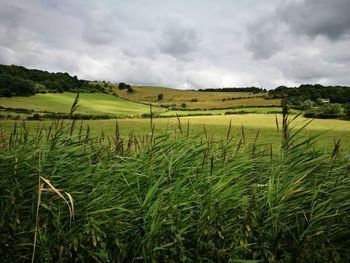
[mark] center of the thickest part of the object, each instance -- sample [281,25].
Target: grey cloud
[101,29]
[263,39]
[10,17]
[177,37]
[211,44]
[317,17]
[283,27]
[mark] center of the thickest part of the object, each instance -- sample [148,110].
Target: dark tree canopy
[20,81]
[336,94]
[235,89]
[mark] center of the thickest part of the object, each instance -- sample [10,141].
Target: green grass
[157,198]
[216,126]
[89,103]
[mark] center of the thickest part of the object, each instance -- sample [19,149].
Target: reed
[161,198]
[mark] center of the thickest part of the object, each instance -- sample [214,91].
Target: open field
[89,103]
[97,103]
[217,126]
[196,99]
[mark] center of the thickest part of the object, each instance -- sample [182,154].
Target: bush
[130,89]
[160,96]
[347,109]
[326,111]
[183,105]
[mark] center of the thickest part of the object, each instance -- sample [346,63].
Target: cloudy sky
[182,43]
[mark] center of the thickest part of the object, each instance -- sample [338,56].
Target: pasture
[89,103]
[196,99]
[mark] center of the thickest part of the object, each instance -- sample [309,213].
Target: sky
[186,44]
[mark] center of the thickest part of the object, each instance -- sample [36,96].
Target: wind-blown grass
[157,198]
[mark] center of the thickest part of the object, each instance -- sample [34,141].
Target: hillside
[190,99]
[89,103]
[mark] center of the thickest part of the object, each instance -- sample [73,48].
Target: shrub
[130,89]
[347,109]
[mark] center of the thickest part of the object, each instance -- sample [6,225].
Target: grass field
[217,126]
[196,99]
[97,103]
[89,103]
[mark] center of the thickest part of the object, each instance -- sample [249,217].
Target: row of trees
[123,86]
[20,81]
[236,89]
[297,95]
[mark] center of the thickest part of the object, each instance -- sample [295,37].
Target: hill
[89,103]
[191,99]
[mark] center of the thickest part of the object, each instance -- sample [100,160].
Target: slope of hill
[190,99]
[89,103]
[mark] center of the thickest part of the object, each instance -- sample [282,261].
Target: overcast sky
[182,43]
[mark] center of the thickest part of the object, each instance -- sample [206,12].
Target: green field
[97,103]
[89,103]
[129,112]
[217,126]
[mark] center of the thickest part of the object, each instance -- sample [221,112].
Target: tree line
[20,81]
[298,95]
[235,89]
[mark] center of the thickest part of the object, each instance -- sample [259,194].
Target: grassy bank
[157,198]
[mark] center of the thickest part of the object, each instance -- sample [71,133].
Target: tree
[121,86]
[130,89]
[347,109]
[183,105]
[160,96]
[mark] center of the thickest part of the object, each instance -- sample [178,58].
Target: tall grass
[170,198]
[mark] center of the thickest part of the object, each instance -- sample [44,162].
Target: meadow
[196,99]
[89,103]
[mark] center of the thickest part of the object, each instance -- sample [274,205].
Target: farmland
[89,103]
[245,187]
[196,99]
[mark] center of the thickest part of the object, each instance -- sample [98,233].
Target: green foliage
[325,111]
[122,86]
[161,199]
[336,94]
[20,81]
[15,86]
[254,90]
[160,96]
[347,110]
[183,105]
[130,89]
